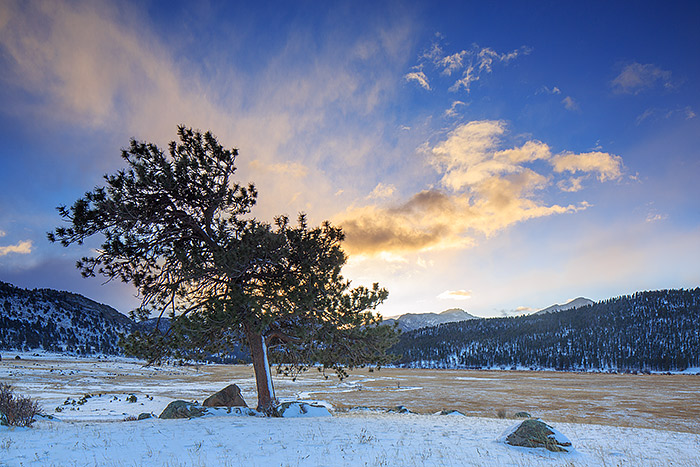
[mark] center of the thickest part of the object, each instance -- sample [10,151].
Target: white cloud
[655,217]
[547,90]
[608,166]
[686,113]
[455,295]
[419,77]
[21,248]
[570,103]
[452,111]
[571,185]
[2,233]
[382,191]
[636,77]
[452,62]
[470,64]
[644,115]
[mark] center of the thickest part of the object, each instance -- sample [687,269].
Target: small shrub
[16,410]
[501,413]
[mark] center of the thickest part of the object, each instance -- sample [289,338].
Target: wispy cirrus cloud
[468,65]
[482,188]
[637,77]
[453,110]
[99,67]
[554,90]
[687,113]
[419,77]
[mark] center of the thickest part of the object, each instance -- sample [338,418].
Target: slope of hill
[55,321]
[58,322]
[575,303]
[412,321]
[657,330]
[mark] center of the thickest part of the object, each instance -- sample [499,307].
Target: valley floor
[607,417]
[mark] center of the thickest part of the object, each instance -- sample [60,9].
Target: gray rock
[230,396]
[300,409]
[144,416]
[535,433]
[399,409]
[522,415]
[182,409]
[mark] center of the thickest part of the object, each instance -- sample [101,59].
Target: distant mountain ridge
[654,330]
[570,305]
[412,321]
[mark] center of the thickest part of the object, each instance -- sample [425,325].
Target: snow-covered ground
[352,439]
[92,397]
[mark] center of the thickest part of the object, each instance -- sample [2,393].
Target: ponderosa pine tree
[179,229]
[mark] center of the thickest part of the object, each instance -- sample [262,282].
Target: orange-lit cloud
[22,248]
[455,295]
[607,166]
[483,189]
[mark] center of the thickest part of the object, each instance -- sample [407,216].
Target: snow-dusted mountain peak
[571,304]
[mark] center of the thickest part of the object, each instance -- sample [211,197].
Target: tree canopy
[180,230]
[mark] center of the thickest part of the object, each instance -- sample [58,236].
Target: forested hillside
[58,321]
[656,331]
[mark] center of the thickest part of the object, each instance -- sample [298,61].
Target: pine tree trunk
[261,366]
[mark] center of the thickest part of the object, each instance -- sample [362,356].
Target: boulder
[450,412]
[522,415]
[230,396]
[144,416]
[399,409]
[182,409]
[534,433]
[300,409]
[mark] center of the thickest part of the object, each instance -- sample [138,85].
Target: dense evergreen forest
[647,331]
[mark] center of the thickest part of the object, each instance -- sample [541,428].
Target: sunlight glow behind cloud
[485,189]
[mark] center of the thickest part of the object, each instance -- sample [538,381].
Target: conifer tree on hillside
[179,229]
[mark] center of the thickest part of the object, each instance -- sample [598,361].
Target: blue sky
[493,156]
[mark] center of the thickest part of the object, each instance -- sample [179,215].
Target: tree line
[646,331]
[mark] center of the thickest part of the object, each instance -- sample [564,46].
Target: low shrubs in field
[16,410]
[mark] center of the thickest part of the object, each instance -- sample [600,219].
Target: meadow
[611,419]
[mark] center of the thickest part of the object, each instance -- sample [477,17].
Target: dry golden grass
[670,402]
